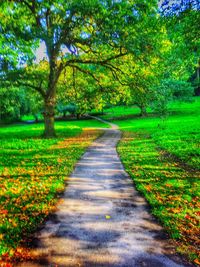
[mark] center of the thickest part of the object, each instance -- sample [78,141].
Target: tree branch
[88,73]
[98,62]
[38,89]
[110,66]
[87,51]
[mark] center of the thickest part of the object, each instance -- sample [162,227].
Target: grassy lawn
[163,158]
[33,171]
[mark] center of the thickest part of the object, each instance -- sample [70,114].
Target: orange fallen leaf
[197,261]
[4,211]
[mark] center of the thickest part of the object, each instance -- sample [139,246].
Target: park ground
[162,155]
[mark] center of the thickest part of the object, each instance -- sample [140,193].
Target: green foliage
[34,103]
[183,32]
[70,108]
[88,92]
[18,101]
[12,105]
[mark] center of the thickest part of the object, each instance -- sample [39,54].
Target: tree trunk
[64,114]
[143,112]
[78,115]
[197,89]
[36,118]
[49,113]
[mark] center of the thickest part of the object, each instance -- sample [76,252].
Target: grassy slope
[32,172]
[169,183]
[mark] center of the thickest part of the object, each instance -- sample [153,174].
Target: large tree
[75,33]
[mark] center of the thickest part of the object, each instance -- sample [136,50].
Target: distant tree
[139,78]
[169,90]
[34,103]
[12,104]
[64,108]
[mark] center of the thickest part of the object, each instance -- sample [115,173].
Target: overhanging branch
[38,89]
[98,62]
[88,73]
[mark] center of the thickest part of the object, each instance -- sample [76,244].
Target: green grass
[121,112]
[32,172]
[163,158]
[179,133]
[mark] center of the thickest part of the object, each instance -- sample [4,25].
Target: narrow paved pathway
[102,221]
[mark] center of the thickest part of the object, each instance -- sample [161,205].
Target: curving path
[102,220]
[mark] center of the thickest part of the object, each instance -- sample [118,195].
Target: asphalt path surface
[102,220]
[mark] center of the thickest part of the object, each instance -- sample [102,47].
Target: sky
[40,52]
